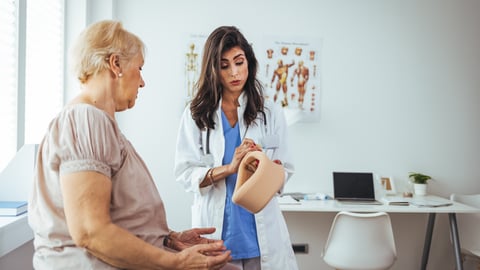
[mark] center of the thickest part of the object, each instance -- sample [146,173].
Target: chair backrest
[468,224]
[360,241]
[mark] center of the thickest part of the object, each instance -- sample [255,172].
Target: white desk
[15,183]
[14,232]
[452,210]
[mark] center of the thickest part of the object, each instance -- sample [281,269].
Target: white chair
[360,241]
[469,228]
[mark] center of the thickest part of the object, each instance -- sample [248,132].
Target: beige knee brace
[255,188]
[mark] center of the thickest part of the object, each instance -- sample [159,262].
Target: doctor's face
[234,70]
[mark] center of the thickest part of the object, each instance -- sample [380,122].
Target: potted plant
[419,181]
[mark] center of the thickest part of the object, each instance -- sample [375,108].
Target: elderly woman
[94,203]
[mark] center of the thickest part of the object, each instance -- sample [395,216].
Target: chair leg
[463,258]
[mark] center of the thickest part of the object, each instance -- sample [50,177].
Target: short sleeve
[86,139]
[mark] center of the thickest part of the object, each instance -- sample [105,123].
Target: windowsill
[14,232]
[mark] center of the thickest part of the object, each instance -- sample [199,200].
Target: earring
[120,75]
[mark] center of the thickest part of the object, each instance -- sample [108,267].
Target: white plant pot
[420,189]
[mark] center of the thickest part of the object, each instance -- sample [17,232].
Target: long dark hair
[209,88]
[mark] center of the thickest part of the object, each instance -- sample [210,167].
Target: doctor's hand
[248,145]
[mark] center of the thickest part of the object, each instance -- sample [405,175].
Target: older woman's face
[234,70]
[129,84]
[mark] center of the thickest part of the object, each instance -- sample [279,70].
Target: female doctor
[227,118]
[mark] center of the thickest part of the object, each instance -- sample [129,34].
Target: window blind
[25,114]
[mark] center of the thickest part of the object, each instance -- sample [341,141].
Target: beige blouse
[85,138]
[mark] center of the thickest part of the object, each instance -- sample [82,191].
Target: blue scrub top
[239,229]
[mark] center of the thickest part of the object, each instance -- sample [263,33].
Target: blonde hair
[97,43]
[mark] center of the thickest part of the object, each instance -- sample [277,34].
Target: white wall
[400,93]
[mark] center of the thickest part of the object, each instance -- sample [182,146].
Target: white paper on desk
[287,199]
[430,202]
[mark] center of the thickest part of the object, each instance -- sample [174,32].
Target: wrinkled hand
[201,257]
[189,238]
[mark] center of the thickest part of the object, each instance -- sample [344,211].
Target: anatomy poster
[193,58]
[291,73]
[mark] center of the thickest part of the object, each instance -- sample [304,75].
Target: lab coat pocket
[271,141]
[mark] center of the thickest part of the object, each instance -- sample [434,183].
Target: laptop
[354,188]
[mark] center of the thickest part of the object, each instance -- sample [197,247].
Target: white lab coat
[209,202]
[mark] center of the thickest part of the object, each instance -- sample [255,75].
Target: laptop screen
[353,186]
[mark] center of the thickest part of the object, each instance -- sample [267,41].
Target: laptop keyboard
[360,202]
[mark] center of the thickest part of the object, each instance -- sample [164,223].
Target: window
[32,71]
[8,80]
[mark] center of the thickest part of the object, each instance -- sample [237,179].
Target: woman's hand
[248,145]
[182,240]
[204,257]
